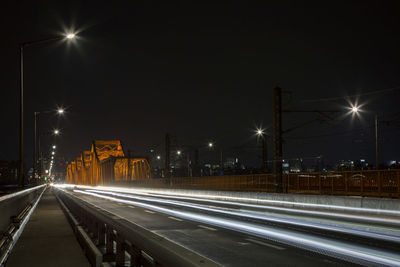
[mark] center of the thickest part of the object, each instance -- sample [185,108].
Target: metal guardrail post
[120,253]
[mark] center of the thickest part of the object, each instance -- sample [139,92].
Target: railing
[376,183]
[112,237]
[15,210]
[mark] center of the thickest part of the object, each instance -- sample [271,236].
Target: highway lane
[235,239]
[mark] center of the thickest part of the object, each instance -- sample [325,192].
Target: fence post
[319,183]
[361,184]
[379,183]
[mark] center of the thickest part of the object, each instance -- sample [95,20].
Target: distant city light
[56,132]
[53,153]
[210,144]
[158,157]
[354,109]
[47,171]
[178,152]
[60,111]
[54,147]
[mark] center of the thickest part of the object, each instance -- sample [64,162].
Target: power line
[351,96]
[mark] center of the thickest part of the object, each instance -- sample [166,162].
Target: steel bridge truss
[106,163]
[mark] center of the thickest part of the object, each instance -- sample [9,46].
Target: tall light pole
[261,134]
[60,111]
[355,110]
[21,102]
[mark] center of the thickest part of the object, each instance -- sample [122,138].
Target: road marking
[149,211]
[176,219]
[132,207]
[206,227]
[120,204]
[265,244]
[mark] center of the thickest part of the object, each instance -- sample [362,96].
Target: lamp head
[70,36]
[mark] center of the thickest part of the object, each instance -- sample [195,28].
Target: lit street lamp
[60,112]
[355,110]
[21,118]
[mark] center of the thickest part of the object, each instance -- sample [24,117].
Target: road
[233,233]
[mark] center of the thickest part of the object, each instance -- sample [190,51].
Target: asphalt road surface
[233,233]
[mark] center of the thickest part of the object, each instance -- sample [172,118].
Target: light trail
[360,218]
[261,201]
[248,215]
[353,253]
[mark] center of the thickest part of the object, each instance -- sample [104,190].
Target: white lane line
[265,244]
[206,227]
[176,219]
[149,211]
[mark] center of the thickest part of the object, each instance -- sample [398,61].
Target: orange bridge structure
[106,163]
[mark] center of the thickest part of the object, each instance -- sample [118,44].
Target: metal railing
[15,210]
[375,183]
[115,237]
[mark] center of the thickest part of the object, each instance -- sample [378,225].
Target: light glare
[70,36]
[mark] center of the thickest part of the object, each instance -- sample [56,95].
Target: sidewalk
[48,239]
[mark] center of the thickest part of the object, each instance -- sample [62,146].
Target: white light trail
[250,215]
[330,247]
[261,201]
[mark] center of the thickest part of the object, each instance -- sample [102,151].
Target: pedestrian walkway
[48,239]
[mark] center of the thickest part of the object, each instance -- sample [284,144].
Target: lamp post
[261,134]
[60,111]
[355,110]
[55,133]
[21,111]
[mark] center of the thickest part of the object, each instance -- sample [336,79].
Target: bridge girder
[105,163]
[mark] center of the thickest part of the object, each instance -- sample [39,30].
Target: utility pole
[167,155]
[277,138]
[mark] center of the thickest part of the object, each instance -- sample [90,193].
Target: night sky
[204,72]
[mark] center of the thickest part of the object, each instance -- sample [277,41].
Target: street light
[158,157]
[21,104]
[178,152]
[36,114]
[54,147]
[210,144]
[355,110]
[56,132]
[70,36]
[259,132]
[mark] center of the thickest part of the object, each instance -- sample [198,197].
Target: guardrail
[375,183]
[117,236]
[15,210]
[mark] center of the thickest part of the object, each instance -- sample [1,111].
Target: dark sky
[203,72]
